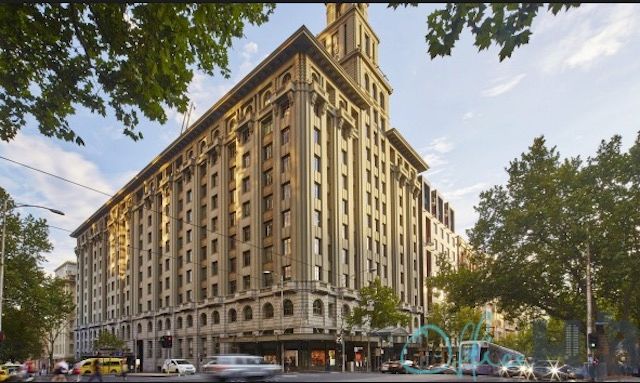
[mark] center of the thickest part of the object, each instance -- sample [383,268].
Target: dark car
[398,367]
[442,368]
[512,368]
[549,370]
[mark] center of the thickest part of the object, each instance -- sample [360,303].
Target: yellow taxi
[8,369]
[107,365]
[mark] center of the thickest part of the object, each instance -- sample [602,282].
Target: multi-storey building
[254,229]
[63,347]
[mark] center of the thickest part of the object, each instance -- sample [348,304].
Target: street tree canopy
[56,307]
[26,242]
[533,233]
[108,341]
[504,24]
[379,307]
[132,57]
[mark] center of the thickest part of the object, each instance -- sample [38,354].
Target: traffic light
[168,340]
[593,341]
[163,341]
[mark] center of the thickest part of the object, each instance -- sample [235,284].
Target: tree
[505,24]
[25,243]
[132,57]
[378,307]
[56,308]
[533,233]
[453,319]
[108,341]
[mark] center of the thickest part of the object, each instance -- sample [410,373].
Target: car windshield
[182,361]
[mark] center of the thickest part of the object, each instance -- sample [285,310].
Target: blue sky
[577,82]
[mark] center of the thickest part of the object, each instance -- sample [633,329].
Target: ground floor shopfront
[322,352]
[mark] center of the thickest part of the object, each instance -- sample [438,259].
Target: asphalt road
[306,377]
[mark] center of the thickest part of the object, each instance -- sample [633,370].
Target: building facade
[253,231]
[64,346]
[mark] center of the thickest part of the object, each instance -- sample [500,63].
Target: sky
[577,82]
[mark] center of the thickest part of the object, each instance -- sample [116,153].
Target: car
[240,366]
[398,367]
[442,368]
[512,368]
[108,365]
[549,370]
[384,367]
[12,372]
[178,366]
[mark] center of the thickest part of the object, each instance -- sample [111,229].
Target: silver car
[240,366]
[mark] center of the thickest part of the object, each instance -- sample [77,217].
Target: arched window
[203,319]
[288,308]
[216,317]
[149,326]
[247,313]
[167,324]
[232,125]
[345,310]
[203,146]
[159,325]
[179,324]
[268,310]
[189,321]
[285,79]
[266,99]
[247,111]
[139,329]
[233,316]
[317,307]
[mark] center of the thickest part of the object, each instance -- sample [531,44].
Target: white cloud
[503,87]
[37,188]
[433,154]
[468,116]
[472,190]
[600,31]
[249,49]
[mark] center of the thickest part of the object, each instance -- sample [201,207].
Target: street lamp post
[267,272]
[5,209]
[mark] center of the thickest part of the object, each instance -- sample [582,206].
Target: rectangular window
[317,218]
[246,282]
[267,126]
[214,180]
[246,258]
[345,158]
[214,268]
[232,218]
[246,184]
[317,273]
[268,202]
[246,233]
[267,255]
[316,136]
[268,228]
[345,257]
[317,246]
[345,206]
[232,287]
[267,152]
[286,191]
[214,202]
[232,242]
[317,166]
[317,190]
[246,209]
[232,196]
[284,138]
[286,218]
[232,265]
[345,231]
[286,246]
[267,177]
[232,173]
[285,163]
[246,160]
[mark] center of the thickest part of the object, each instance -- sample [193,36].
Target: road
[307,377]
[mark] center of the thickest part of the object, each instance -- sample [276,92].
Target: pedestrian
[124,368]
[60,371]
[96,370]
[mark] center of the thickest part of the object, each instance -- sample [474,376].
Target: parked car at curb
[442,368]
[178,366]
